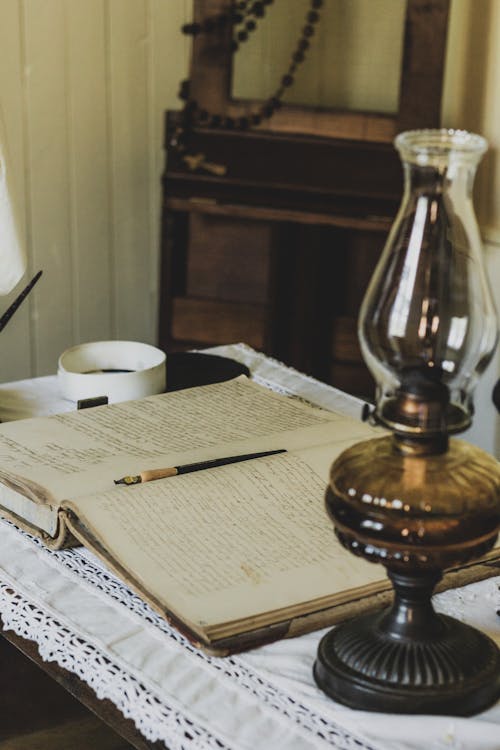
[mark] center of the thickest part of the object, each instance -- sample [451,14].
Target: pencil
[172,471]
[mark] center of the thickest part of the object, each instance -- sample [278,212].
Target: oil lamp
[415,500]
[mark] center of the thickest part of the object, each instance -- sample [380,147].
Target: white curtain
[12,255]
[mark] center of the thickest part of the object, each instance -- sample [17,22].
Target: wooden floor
[37,714]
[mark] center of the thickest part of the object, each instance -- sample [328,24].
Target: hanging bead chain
[244,17]
[240,16]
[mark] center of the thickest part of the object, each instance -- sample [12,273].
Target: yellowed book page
[229,543]
[83,452]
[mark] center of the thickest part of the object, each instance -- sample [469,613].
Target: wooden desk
[262,699]
[45,705]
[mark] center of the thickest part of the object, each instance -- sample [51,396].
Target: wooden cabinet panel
[352,378]
[36,713]
[213,322]
[290,288]
[345,344]
[286,220]
[228,259]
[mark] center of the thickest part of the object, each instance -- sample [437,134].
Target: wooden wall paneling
[49,201]
[16,361]
[128,30]
[471,99]
[88,165]
[83,89]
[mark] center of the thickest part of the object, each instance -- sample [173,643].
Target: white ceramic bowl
[92,370]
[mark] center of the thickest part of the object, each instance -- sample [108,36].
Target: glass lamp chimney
[427,325]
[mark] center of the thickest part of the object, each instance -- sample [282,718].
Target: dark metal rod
[19,299]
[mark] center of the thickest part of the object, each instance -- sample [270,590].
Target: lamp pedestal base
[409,659]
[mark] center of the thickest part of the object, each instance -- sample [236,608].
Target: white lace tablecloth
[88,622]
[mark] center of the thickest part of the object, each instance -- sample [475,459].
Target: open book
[235,555]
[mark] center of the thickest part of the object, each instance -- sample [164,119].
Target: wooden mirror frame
[421,80]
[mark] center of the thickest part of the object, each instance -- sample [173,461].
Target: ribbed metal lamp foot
[454,672]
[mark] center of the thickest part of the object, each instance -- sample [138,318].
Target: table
[66,611]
